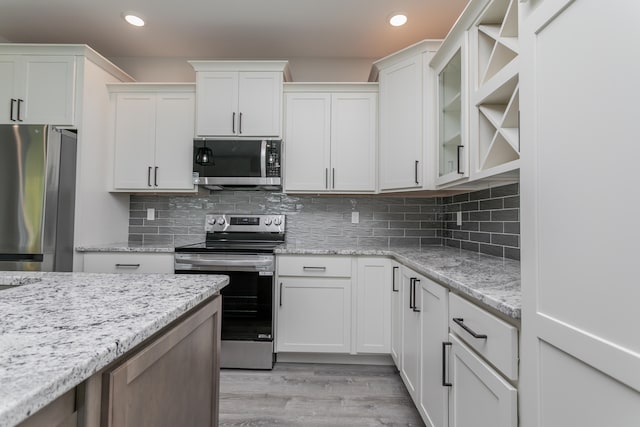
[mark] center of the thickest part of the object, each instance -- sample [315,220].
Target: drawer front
[495,340]
[128,263]
[314,266]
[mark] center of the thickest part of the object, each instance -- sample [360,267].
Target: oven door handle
[226,262]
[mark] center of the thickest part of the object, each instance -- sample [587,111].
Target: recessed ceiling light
[398,19]
[133,19]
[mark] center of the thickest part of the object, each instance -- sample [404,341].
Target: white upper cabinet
[239,98]
[37,89]
[153,137]
[330,138]
[403,106]
[495,112]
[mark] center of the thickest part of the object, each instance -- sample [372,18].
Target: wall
[490,219]
[302,69]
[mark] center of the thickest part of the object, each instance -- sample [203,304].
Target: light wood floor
[313,395]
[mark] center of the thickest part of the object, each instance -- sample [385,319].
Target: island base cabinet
[479,396]
[174,381]
[59,413]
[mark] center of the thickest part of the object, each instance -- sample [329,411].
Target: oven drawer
[495,340]
[314,265]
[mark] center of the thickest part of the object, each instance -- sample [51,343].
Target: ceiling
[230,29]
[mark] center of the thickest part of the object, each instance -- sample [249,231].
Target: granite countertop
[491,281]
[58,329]
[127,247]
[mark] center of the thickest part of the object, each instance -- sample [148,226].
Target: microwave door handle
[263,159]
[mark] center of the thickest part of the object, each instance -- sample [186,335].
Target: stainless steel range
[241,247]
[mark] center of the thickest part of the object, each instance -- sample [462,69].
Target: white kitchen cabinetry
[494,113]
[153,136]
[483,349]
[410,349]
[433,402]
[239,98]
[330,135]
[403,108]
[396,313]
[37,89]
[313,304]
[580,348]
[128,262]
[373,305]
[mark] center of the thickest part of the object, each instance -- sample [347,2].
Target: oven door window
[247,307]
[228,158]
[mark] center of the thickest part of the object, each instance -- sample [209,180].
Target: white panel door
[373,306]
[174,140]
[8,75]
[217,103]
[434,331]
[401,125]
[410,355]
[353,141]
[480,397]
[396,314]
[135,125]
[50,90]
[579,103]
[259,104]
[307,141]
[314,315]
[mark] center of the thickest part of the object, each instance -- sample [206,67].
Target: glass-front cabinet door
[452,149]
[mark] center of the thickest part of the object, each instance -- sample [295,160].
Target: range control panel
[236,223]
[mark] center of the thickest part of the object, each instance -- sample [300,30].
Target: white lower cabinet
[313,304]
[433,403]
[410,347]
[128,262]
[396,314]
[479,397]
[333,304]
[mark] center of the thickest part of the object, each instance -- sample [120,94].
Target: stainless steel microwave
[218,162]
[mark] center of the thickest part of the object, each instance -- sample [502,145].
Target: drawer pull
[460,322]
[314,268]
[127,265]
[444,365]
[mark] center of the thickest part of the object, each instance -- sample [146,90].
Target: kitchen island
[59,329]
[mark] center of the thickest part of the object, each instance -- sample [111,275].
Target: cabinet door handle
[13,103]
[393,279]
[127,265]
[444,364]
[280,294]
[233,122]
[19,116]
[411,280]
[149,177]
[415,306]
[333,177]
[459,148]
[311,268]
[460,322]
[240,123]
[326,178]
[155,176]
[416,171]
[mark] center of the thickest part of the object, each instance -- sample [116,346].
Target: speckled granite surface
[58,329]
[127,247]
[492,281]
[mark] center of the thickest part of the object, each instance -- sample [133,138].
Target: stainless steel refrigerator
[37,197]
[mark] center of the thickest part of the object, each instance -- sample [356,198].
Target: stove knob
[221,221]
[267,221]
[211,221]
[277,221]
